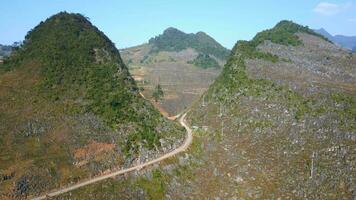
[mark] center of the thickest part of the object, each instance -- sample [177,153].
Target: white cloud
[330,9]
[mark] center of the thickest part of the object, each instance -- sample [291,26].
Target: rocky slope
[284,107]
[183,64]
[69,109]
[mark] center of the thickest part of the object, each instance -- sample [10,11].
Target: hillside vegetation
[70,109]
[283,33]
[204,61]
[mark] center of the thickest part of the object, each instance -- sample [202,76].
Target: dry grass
[93,149]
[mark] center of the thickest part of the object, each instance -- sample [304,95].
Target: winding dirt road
[188,140]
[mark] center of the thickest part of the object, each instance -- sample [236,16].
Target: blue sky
[132,22]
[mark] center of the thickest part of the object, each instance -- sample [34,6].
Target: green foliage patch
[158,93]
[204,61]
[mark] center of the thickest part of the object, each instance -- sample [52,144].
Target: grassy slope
[65,92]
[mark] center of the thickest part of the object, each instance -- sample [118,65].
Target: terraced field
[182,82]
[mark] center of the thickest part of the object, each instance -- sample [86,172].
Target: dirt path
[188,140]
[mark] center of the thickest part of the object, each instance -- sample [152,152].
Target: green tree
[158,93]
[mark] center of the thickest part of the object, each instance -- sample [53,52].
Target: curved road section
[188,140]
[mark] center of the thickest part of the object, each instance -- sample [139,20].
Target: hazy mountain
[324,33]
[183,64]
[348,42]
[69,109]
[5,50]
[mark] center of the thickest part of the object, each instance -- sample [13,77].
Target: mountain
[183,64]
[175,40]
[278,123]
[348,42]
[69,109]
[284,110]
[324,33]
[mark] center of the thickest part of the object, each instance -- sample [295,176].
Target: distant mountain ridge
[348,42]
[183,63]
[5,50]
[173,39]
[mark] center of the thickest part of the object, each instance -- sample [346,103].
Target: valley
[260,135]
[175,114]
[259,132]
